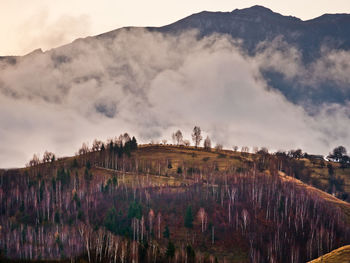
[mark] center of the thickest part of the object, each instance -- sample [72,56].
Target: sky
[28,25]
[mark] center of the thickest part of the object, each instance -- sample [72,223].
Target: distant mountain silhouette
[258,23]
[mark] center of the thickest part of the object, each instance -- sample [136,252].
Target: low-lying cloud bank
[150,84]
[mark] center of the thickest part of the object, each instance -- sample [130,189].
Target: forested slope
[128,203]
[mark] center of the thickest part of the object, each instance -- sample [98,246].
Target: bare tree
[196,136]
[186,143]
[263,150]
[96,145]
[245,217]
[218,147]
[159,217]
[207,143]
[178,137]
[119,140]
[164,141]
[84,149]
[150,218]
[48,157]
[212,234]
[245,149]
[202,216]
[34,161]
[126,138]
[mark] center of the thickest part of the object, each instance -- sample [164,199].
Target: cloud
[331,66]
[280,56]
[42,30]
[150,84]
[334,66]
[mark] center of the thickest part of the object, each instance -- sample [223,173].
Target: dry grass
[345,206]
[321,173]
[193,157]
[224,159]
[133,179]
[341,254]
[198,157]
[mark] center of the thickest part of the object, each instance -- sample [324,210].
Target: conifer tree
[166,233]
[170,252]
[189,217]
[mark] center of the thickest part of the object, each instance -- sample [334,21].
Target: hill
[338,255]
[163,201]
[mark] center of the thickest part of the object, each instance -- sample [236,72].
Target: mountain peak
[255,9]
[258,10]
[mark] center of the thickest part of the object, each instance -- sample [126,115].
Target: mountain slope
[241,208]
[257,24]
[341,254]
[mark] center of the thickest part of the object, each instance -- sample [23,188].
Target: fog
[150,85]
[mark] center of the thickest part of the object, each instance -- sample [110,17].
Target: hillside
[338,255]
[183,202]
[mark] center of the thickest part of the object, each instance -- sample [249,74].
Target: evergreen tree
[170,252]
[189,217]
[179,170]
[87,175]
[191,255]
[115,180]
[166,233]
[135,210]
[110,221]
[57,217]
[133,143]
[75,163]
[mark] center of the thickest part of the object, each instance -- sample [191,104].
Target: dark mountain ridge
[256,24]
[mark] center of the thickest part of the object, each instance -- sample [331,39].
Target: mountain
[257,25]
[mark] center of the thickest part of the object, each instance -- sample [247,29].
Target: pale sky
[28,25]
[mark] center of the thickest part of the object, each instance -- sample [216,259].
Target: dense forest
[120,202]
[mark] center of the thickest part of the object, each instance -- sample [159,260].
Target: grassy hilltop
[341,254]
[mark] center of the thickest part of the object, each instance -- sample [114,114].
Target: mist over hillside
[250,77]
